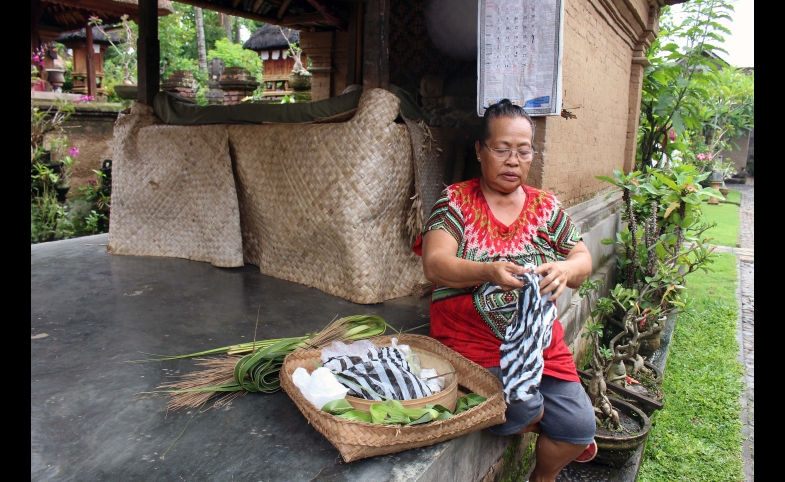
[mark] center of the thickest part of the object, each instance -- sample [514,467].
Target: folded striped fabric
[527,335]
[384,372]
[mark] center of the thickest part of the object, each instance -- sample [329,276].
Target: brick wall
[598,75]
[328,54]
[340,63]
[319,47]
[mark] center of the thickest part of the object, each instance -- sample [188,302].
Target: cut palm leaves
[349,328]
[231,376]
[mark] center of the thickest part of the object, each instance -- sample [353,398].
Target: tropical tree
[201,48]
[683,60]
[729,109]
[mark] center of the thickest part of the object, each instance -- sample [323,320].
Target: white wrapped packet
[318,387]
[359,348]
[435,384]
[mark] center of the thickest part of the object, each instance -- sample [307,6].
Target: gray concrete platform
[91,312]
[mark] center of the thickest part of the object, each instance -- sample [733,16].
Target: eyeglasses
[505,154]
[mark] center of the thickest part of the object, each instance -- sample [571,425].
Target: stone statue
[215,67]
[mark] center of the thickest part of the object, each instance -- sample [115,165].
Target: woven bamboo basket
[447,397]
[357,440]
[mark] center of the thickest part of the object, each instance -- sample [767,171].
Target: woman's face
[500,174]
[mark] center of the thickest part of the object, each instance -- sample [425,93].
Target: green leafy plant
[93,220]
[235,56]
[48,219]
[605,415]
[43,122]
[124,46]
[678,81]
[662,243]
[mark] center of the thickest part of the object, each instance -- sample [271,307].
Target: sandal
[588,454]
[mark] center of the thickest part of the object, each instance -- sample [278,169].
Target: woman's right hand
[501,273]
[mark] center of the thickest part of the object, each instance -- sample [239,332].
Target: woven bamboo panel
[357,440]
[173,191]
[326,204]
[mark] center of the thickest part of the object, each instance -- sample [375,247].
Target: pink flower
[74,151]
[92,182]
[86,98]
[35,57]
[701,157]
[672,135]
[711,156]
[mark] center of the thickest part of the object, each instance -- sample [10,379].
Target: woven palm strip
[357,440]
[326,204]
[173,191]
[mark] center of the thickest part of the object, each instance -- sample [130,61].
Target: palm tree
[200,46]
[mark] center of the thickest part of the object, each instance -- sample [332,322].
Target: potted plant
[663,242]
[300,78]
[726,171]
[127,55]
[621,427]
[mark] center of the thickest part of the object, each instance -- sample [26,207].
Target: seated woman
[480,233]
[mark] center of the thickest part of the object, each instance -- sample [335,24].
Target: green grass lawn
[734,196]
[697,435]
[726,233]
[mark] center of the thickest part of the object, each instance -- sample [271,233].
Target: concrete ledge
[597,219]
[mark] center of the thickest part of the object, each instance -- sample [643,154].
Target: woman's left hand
[555,275]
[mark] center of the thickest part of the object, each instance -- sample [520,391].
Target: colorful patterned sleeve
[562,231]
[445,216]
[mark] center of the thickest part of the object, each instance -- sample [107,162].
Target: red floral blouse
[543,232]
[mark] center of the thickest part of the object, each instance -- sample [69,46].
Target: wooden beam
[105,7]
[237,12]
[36,10]
[149,52]
[301,19]
[329,15]
[283,8]
[351,49]
[376,62]
[358,62]
[90,61]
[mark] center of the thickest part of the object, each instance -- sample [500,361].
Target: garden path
[746,332]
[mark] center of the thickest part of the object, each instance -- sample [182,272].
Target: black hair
[503,108]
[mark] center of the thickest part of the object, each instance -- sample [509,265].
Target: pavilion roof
[269,37]
[98,36]
[69,15]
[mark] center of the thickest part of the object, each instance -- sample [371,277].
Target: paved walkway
[747,321]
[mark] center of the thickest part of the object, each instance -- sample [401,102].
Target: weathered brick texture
[600,77]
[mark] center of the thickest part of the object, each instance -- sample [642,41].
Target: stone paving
[747,322]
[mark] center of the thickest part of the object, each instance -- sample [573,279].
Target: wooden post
[149,52]
[358,54]
[351,48]
[90,61]
[376,65]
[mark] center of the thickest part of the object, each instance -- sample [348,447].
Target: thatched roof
[65,15]
[98,37]
[269,37]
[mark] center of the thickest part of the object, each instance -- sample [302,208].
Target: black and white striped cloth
[525,338]
[385,372]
